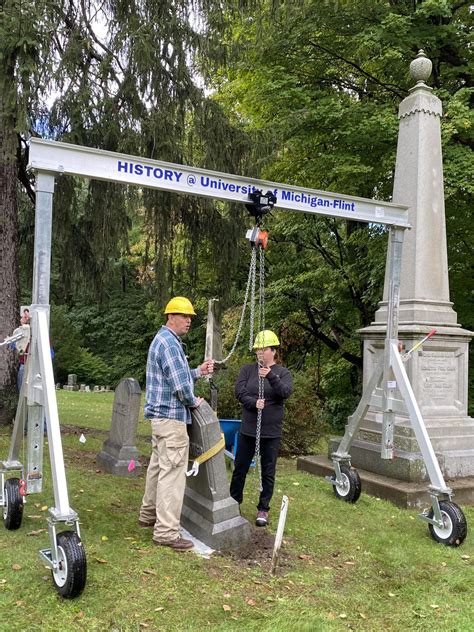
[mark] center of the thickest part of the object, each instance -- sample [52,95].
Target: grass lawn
[368,566]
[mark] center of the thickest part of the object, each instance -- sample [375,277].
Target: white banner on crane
[63,158]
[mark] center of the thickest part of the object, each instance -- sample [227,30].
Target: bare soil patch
[257,551]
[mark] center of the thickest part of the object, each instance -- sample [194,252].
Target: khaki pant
[166,478]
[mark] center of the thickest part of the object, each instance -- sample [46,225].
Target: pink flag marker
[131,465]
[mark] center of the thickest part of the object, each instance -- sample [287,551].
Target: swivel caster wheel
[350,488]
[13,504]
[71,574]
[454,528]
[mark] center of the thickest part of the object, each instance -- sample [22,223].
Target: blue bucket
[230,428]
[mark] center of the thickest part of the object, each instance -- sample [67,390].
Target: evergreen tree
[24,64]
[123,77]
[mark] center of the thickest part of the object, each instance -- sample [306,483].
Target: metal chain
[258,471]
[261,380]
[261,298]
[250,283]
[252,298]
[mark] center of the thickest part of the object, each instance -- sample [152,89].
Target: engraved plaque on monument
[439,384]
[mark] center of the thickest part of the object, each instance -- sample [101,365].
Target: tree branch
[331,344]
[390,87]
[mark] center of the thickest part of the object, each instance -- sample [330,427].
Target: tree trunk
[9,283]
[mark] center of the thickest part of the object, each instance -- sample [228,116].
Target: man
[169,398]
[25,320]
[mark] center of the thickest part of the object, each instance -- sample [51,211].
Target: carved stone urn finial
[420,68]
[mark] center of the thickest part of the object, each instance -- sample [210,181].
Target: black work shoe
[262,518]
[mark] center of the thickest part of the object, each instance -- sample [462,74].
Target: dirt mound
[257,551]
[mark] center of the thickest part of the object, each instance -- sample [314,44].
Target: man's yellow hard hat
[266,338]
[180,305]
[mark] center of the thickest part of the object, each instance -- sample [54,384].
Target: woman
[278,386]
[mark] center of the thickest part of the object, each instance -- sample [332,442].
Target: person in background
[169,398]
[278,386]
[25,320]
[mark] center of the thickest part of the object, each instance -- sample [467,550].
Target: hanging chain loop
[261,380]
[250,284]
[250,290]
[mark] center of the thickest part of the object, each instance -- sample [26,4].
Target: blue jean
[19,376]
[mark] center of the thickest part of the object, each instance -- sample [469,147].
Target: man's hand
[207,367]
[263,371]
[260,404]
[199,401]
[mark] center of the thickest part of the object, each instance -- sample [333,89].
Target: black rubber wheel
[351,487]
[454,529]
[70,577]
[13,504]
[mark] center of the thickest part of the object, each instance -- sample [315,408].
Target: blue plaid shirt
[169,380]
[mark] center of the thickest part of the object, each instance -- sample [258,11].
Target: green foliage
[227,405]
[120,334]
[303,426]
[66,342]
[90,368]
[340,392]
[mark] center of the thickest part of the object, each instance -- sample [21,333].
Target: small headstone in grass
[72,382]
[119,450]
[96,389]
[82,388]
[88,389]
[58,386]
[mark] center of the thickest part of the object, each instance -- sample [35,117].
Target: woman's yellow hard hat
[180,305]
[266,338]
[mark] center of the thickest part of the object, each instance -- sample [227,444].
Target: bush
[227,405]
[341,388]
[302,425]
[90,369]
[66,341]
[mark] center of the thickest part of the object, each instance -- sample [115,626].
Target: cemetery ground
[368,566]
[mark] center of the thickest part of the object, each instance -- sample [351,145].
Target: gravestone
[83,388]
[209,512]
[213,347]
[88,389]
[118,451]
[71,383]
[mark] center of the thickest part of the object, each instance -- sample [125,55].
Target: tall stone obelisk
[438,371]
